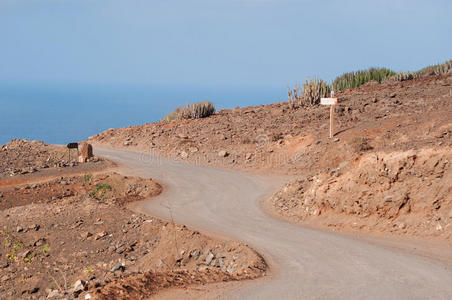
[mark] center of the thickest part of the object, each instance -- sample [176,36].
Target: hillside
[383,127]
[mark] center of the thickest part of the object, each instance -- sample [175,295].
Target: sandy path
[305,263]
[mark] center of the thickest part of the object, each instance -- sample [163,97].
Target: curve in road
[306,263]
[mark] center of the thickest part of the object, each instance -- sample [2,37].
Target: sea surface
[59,114]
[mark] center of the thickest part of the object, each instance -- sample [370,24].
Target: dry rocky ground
[387,169]
[23,161]
[68,234]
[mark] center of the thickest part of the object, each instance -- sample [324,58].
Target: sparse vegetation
[101,188]
[313,90]
[87,177]
[439,69]
[358,78]
[360,144]
[11,255]
[196,110]
[46,249]
[316,88]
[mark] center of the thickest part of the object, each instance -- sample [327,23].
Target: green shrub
[101,188]
[197,110]
[358,78]
[87,177]
[313,90]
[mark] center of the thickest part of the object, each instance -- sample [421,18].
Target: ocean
[59,114]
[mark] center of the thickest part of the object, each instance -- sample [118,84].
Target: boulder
[86,151]
[223,153]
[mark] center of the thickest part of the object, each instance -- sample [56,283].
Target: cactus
[195,111]
[439,69]
[313,90]
[358,78]
[202,109]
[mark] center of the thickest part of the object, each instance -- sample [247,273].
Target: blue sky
[247,43]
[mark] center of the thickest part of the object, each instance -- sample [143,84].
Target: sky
[220,43]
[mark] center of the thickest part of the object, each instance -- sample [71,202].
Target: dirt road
[304,263]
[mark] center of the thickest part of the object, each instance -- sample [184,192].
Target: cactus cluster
[358,78]
[295,95]
[439,69]
[313,90]
[196,110]
[201,109]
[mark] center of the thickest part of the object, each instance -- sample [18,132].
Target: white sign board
[328,101]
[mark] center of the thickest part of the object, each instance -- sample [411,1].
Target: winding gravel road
[305,264]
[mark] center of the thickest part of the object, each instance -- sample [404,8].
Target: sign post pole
[331,121]
[331,102]
[71,146]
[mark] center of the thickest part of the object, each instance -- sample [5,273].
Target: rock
[184,154]
[120,250]
[248,156]
[63,182]
[4,278]
[127,143]
[336,139]
[159,263]
[88,296]
[195,254]
[79,286]
[117,267]
[183,136]
[387,199]
[34,227]
[39,242]
[86,234]
[4,265]
[19,229]
[223,153]
[209,258]
[25,254]
[230,269]
[53,294]
[220,263]
[100,235]
[86,150]
[193,149]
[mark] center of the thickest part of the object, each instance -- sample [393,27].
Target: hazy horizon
[252,43]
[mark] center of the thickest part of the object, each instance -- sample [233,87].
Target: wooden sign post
[71,146]
[331,102]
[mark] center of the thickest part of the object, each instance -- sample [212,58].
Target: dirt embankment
[396,125]
[71,236]
[406,192]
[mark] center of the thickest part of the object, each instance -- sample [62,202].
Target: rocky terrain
[405,192]
[391,152]
[73,236]
[21,159]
